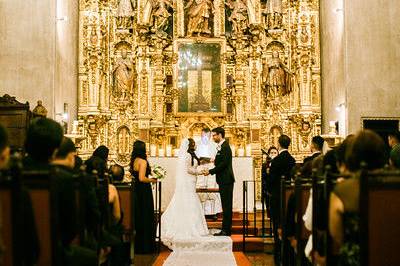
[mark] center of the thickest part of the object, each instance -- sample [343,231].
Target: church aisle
[240,258]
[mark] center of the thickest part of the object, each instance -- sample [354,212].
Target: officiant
[206,151]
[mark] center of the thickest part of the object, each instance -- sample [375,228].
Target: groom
[225,178]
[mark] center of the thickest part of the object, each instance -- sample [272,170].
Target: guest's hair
[191,150]
[284,141]
[395,134]
[367,147]
[318,142]
[139,151]
[206,130]
[341,150]
[78,164]
[98,164]
[117,172]
[330,160]
[219,130]
[66,147]
[3,138]
[44,136]
[102,152]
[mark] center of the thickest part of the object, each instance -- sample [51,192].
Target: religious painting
[199,77]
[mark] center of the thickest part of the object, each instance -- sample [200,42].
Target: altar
[242,168]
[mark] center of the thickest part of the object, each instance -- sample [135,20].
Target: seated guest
[65,162]
[102,153]
[43,138]
[366,147]
[117,173]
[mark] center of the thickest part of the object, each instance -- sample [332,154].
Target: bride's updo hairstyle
[191,150]
[139,151]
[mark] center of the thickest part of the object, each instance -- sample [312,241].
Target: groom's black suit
[225,179]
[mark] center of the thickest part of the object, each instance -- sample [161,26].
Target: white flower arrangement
[158,172]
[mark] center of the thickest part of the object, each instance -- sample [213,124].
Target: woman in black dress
[143,200]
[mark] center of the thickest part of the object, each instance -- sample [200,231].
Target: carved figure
[161,15]
[276,77]
[273,13]
[40,110]
[123,77]
[239,16]
[124,13]
[199,13]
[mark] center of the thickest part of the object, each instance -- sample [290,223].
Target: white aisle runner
[210,251]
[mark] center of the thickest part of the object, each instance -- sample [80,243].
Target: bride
[184,218]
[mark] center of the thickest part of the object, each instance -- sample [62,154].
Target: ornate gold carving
[128,72]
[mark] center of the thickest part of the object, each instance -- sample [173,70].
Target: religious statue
[273,13]
[161,16]
[39,110]
[124,14]
[123,77]
[199,13]
[239,16]
[277,79]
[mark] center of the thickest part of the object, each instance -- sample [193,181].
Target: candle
[75,126]
[168,150]
[153,150]
[233,148]
[248,150]
[161,152]
[240,152]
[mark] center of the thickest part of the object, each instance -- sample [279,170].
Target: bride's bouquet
[158,172]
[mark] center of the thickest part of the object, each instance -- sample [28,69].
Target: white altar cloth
[242,168]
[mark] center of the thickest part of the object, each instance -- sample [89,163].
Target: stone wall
[38,52]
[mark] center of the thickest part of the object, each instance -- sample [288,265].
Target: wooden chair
[125,191]
[379,218]
[41,187]
[15,116]
[302,195]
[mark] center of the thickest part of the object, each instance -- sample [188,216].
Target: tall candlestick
[153,150]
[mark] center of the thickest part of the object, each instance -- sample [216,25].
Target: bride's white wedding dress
[183,224]
[184,217]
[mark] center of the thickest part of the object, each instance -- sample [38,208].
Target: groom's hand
[206,172]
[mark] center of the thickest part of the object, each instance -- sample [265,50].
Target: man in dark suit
[225,178]
[281,165]
[317,144]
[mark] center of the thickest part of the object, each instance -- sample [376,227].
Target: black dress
[143,216]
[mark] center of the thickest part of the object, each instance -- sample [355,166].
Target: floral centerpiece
[158,172]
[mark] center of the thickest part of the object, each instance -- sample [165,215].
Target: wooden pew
[379,218]
[9,189]
[41,187]
[125,191]
[302,195]
[287,189]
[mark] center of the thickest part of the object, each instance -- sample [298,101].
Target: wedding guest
[143,200]
[281,165]
[366,147]
[265,170]
[65,162]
